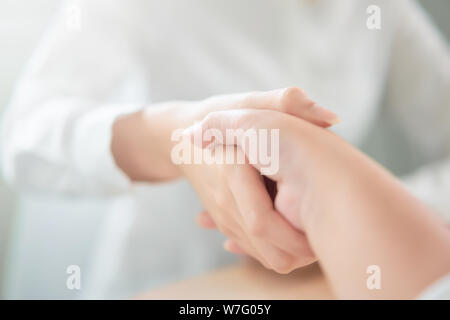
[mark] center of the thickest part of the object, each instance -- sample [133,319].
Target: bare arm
[355,214]
[369,219]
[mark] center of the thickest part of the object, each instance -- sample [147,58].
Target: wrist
[141,144]
[334,179]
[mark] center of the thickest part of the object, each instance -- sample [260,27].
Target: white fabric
[128,54]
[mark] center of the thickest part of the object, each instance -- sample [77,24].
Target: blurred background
[36,228]
[39,236]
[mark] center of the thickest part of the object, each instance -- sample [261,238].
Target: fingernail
[325,115]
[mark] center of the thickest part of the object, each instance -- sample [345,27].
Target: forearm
[141,141]
[372,220]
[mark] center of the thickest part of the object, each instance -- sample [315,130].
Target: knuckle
[294,92]
[289,97]
[292,98]
[208,119]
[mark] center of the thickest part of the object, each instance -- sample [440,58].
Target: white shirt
[126,55]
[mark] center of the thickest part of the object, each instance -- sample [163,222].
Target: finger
[291,100]
[247,187]
[294,101]
[231,227]
[239,243]
[244,245]
[205,221]
[233,247]
[264,222]
[228,224]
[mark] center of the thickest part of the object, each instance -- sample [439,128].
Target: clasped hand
[235,196]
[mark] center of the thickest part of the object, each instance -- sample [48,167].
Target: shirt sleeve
[84,74]
[418,99]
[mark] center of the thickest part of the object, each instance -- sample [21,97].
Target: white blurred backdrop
[30,225]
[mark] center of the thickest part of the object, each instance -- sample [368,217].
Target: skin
[354,213]
[141,146]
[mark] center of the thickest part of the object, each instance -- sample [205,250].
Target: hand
[241,207]
[304,172]
[141,141]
